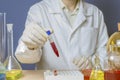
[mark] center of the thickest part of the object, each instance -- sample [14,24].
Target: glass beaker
[14,70]
[2,44]
[87,69]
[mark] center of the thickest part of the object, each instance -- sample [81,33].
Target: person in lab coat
[78,31]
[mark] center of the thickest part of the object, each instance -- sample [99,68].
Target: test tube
[55,72]
[53,44]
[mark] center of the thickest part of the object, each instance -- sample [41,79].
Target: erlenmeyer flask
[14,70]
[97,72]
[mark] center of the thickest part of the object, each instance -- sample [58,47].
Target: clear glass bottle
[14,70]
[97,72]
[115,40]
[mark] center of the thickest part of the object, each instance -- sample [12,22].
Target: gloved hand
[34,36]
[83,62]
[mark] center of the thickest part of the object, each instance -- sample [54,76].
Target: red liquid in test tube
[53,44]
[54,48]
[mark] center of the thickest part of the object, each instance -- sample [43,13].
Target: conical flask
[97,72]
[14,70]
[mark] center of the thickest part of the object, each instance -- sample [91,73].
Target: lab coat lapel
[80,19]
[56,9]
[65,20]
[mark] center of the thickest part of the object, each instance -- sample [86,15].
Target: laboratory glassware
[113,57]
[113,49]
[97,73]
[2,45]
[14,70]
[115,39]
[2,36]
[112,72]
[2,71]
[52,43]
[87,70]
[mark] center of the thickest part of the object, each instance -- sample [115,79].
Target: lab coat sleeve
[102,38]
[23,54]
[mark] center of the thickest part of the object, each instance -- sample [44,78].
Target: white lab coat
[86,37]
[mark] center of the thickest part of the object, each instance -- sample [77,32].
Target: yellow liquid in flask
[114,40]
[97,75]
[13,74]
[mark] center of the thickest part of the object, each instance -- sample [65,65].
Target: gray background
[17,11]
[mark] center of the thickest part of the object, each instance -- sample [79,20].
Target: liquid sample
[54,49]
[115,40]
[2,76]
[13,74]
[97,75]
[86,73]
[112,75]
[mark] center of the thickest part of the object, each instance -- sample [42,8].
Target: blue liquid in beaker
[2,76]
